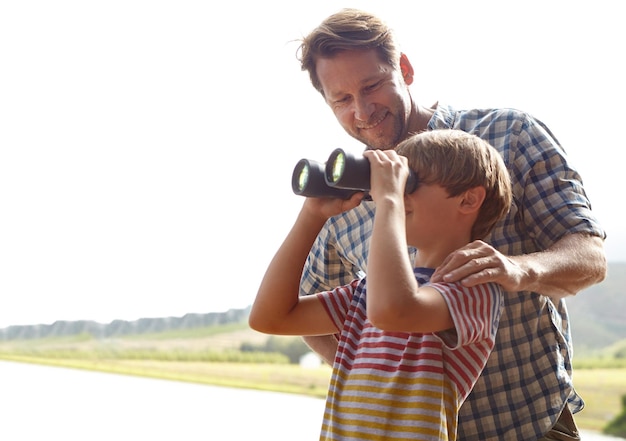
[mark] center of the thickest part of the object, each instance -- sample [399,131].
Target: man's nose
[363,109]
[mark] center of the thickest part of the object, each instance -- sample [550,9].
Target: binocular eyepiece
[340,177]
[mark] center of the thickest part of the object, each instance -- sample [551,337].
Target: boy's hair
[458,161]
[348,29]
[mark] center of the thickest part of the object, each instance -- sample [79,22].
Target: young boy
[409,351]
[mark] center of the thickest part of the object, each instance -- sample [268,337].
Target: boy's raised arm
[395,301]
[278,308]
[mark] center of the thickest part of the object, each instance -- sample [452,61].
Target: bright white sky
[146,147]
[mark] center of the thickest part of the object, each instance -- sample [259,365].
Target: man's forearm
[574,263]
[324,345]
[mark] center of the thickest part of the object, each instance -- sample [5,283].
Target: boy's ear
[472,200]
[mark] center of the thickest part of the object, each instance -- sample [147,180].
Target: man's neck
[420,117]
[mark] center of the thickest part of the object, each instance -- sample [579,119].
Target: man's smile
[361,125]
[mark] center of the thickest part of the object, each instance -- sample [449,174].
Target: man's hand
[325,208]
[573,263]
[477,263]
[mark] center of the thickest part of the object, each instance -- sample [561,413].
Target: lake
[40,402]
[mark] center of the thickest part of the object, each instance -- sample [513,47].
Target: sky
[146,147]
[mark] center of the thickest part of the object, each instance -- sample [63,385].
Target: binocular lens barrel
[344,170]
[302,177]
[338,166]
[308,180]
[341,176]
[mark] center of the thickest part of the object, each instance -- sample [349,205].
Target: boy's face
[430,216]
[369,98]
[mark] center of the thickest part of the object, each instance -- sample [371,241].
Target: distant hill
[120,328]
[598,314]
[598,319]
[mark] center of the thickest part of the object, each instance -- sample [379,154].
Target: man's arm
[323,345]
[572,264]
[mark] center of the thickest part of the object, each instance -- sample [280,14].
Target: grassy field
[272,377]
[601,388]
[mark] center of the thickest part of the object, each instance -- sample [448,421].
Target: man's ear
[406,68]
[472,200]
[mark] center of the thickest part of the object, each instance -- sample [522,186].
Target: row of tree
[119,328]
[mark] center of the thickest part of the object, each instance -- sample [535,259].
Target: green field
[191,358]
[602,390]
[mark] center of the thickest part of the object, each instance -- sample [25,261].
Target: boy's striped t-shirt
[398,386]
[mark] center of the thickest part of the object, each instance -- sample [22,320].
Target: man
[549,245]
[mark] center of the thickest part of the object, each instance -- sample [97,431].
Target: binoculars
[340,177]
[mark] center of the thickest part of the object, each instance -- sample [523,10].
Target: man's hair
[458,161]
[348,29]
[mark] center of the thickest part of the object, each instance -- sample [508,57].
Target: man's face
[369,97]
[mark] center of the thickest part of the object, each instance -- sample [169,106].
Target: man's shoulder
[465,119]
[501,127]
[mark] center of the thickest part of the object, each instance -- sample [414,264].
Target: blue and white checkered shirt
[527,380]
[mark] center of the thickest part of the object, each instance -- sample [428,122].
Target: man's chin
[380,146]
[377,144]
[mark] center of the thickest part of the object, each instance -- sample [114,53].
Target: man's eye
[372,87]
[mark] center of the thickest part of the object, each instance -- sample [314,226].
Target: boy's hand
[389,173]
